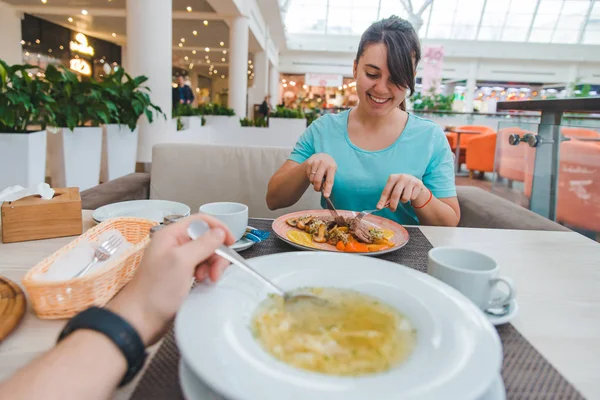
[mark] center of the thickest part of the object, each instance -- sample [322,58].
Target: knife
[338,218]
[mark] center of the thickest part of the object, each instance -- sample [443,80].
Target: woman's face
[377,94]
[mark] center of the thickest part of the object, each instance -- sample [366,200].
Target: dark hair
[403,46]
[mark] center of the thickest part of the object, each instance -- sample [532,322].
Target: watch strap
[119,331]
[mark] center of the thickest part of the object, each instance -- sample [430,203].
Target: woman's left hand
[403,188]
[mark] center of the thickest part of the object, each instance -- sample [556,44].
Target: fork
[363,213]
[102,253]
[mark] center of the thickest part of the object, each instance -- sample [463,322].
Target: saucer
[243,243]
[513,310]
[194,388]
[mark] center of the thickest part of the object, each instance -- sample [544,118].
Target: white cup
[234,215]
[473,274]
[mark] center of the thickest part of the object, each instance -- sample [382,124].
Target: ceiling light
[304,87]
[84,12]
[22,42]
[26,53]
[205,23]
[283,81]
[193,51]
[186,58]
[339,88]
[224,51]
[223,76]
[206,57]
[251,66]
[345,86]
[191,66]
[223,59]
[61,47]
[216,71]
[114,34]
[222,43]
[189,9]
[212,66]
[195,33]
[37,41]
[182,40]
[249,61]
[180,44]
[249,72]
[206,49]
[70,19]
[285,85]
[292,83]
[44,1]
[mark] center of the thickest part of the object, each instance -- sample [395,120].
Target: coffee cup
[473,274]
[234,215]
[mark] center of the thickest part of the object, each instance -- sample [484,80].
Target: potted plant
[218,116]
[188,117]
[74,132]
[287,120]
[24,100]
[120,135]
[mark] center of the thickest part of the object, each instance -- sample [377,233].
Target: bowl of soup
[387,332]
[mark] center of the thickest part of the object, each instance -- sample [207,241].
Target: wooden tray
[12,306]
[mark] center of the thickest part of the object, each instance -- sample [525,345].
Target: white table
[557,276]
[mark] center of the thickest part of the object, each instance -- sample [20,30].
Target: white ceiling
[103,27]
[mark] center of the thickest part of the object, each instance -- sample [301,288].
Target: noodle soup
[355,334]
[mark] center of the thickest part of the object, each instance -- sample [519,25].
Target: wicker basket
[63,299]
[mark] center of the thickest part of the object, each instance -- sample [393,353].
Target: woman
[376,155]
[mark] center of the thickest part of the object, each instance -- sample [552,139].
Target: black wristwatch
[119,331]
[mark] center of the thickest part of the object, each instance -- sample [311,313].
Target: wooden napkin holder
[32,218]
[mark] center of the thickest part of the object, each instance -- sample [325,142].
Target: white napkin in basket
[67,265]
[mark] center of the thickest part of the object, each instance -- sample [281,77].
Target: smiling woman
[376,153]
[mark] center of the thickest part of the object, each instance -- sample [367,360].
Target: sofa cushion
[196,174]
[481,209]
[130,187]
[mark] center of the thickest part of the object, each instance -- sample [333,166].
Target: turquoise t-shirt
[422,150]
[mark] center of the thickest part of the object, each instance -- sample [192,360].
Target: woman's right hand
[321,167]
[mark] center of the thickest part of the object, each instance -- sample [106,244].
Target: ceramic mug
[234,215]
[473,274]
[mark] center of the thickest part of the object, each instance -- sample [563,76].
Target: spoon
[198,228]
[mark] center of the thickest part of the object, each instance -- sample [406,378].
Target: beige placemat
[526,373]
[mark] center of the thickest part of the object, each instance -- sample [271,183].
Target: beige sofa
[197,174]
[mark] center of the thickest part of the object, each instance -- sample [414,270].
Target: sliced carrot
[340,246]
[356,247]
[384,242]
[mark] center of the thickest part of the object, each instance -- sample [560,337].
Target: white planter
[288,124]
[219,122]
[74,156]
[22,159]
[191,123]
[119,151]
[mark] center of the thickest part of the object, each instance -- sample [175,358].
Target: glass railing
[552,168]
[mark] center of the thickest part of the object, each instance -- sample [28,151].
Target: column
[149,53]
[238,65]
[261,76]
[274,87]
[10,35]
[124,64]
[471,85]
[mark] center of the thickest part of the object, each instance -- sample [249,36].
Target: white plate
[458,352]
[194,388]
[154,210]
[243,243]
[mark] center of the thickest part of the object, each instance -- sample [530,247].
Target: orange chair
[583,133]
[481,153]
[578,199]
[465,138]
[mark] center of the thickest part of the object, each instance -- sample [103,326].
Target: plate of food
[385,332]
[318,230]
